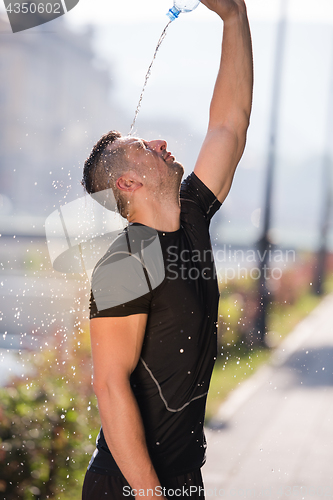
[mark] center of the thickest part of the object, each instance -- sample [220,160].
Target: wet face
[152,161]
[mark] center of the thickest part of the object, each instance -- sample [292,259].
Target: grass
[229,372]
[283,318]
[240,363]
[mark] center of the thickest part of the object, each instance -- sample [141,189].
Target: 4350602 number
[33,8]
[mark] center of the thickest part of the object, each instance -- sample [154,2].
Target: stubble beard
[168,186]
[174,178]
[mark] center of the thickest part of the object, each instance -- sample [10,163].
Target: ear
[128,182]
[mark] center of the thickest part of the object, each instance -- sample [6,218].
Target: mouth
[169,156]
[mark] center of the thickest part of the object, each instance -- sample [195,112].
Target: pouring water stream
[163,35]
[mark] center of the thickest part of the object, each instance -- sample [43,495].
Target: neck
[164,217]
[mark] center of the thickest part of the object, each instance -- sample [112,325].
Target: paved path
[273,437]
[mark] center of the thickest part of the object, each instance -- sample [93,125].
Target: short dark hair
[93,179]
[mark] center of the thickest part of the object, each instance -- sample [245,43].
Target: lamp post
[263,245]
[320,266]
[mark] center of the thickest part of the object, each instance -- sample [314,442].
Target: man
[153,351]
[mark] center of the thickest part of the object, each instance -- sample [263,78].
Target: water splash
[163,35]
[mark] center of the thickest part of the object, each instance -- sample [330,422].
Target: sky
[103,11]
[127,11]
[182,82]
[184,72]
[183,75]
[127,31]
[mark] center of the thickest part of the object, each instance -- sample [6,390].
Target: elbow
[236,123]
[98,387]
[110,385]
[245,122]
[232,132]
[240,127]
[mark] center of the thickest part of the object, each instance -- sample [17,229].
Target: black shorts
[98,487]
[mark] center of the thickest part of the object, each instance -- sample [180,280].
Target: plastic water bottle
[181,6]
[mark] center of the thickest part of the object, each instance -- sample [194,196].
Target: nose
[158,145]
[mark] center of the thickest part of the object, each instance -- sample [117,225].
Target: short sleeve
[123,281]
[119,287]
[140,305]
[194,190]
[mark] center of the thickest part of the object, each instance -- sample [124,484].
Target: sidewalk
[273,437]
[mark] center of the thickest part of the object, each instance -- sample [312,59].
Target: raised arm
[231,102]
[116,346]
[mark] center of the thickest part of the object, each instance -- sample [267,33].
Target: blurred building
[55,103]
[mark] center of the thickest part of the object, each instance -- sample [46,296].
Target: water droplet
[147,76]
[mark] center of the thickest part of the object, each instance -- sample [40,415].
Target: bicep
[116,344]
[218,158]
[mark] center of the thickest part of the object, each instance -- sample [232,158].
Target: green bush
[46,423]
[237,314]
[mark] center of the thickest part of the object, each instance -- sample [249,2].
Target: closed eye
[142,144]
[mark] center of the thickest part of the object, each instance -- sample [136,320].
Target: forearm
[124,434]
[232,98]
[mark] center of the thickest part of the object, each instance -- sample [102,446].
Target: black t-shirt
[171,379]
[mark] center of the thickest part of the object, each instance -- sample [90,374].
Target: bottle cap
[173,13]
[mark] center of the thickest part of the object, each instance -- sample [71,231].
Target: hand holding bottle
[225,8]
